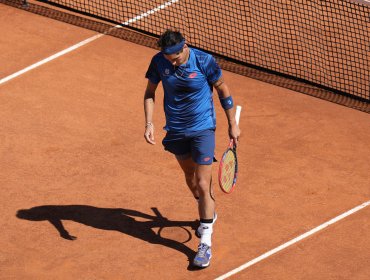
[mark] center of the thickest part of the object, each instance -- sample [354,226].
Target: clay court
[83,196]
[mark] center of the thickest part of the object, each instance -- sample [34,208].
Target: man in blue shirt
[188,76]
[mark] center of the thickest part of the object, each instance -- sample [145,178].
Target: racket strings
[228,170]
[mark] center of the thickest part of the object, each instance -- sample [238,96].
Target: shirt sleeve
[213,70]
[152,73]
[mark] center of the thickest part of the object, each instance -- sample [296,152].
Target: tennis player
[188,76]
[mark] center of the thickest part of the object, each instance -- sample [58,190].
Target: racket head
[228,169]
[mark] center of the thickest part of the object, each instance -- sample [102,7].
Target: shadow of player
[118,219]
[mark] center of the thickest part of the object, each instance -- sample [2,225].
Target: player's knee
[203,186]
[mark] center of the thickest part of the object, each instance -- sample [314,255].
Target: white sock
[206,230]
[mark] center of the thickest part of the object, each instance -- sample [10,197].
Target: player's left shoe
[204,255]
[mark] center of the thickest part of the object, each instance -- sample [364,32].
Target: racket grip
[237,113]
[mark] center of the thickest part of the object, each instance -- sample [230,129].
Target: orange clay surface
[79,186]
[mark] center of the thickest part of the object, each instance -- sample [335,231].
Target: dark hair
[169,38]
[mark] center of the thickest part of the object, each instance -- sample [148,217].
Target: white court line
[89,40]
[292,241]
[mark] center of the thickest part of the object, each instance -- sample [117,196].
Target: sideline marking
[84,42]
[292,241]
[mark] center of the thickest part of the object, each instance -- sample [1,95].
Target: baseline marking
[84,42]
[292,241]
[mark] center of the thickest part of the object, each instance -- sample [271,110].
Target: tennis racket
[228,169]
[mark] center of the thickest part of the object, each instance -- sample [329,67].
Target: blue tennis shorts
[200,145]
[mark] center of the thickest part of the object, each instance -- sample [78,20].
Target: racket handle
[157,213]
[237,113]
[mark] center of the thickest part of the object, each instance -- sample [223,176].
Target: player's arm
[227,103]
[149,98]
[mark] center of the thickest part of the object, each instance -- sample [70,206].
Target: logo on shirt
[192,75]
[167,71]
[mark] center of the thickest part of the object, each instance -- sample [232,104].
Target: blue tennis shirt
[188,102]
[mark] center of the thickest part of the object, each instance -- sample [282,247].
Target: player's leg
[188,167]
[202,151]
[177,144]
[203,174]
[203,145]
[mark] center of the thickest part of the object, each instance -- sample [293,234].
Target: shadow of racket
[163,223]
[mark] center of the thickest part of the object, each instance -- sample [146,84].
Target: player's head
[173,46]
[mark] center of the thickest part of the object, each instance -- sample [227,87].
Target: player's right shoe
[203,257]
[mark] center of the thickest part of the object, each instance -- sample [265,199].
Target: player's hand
[149,133]
[234,133]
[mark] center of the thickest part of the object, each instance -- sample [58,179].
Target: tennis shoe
[199,231]
[203,256]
